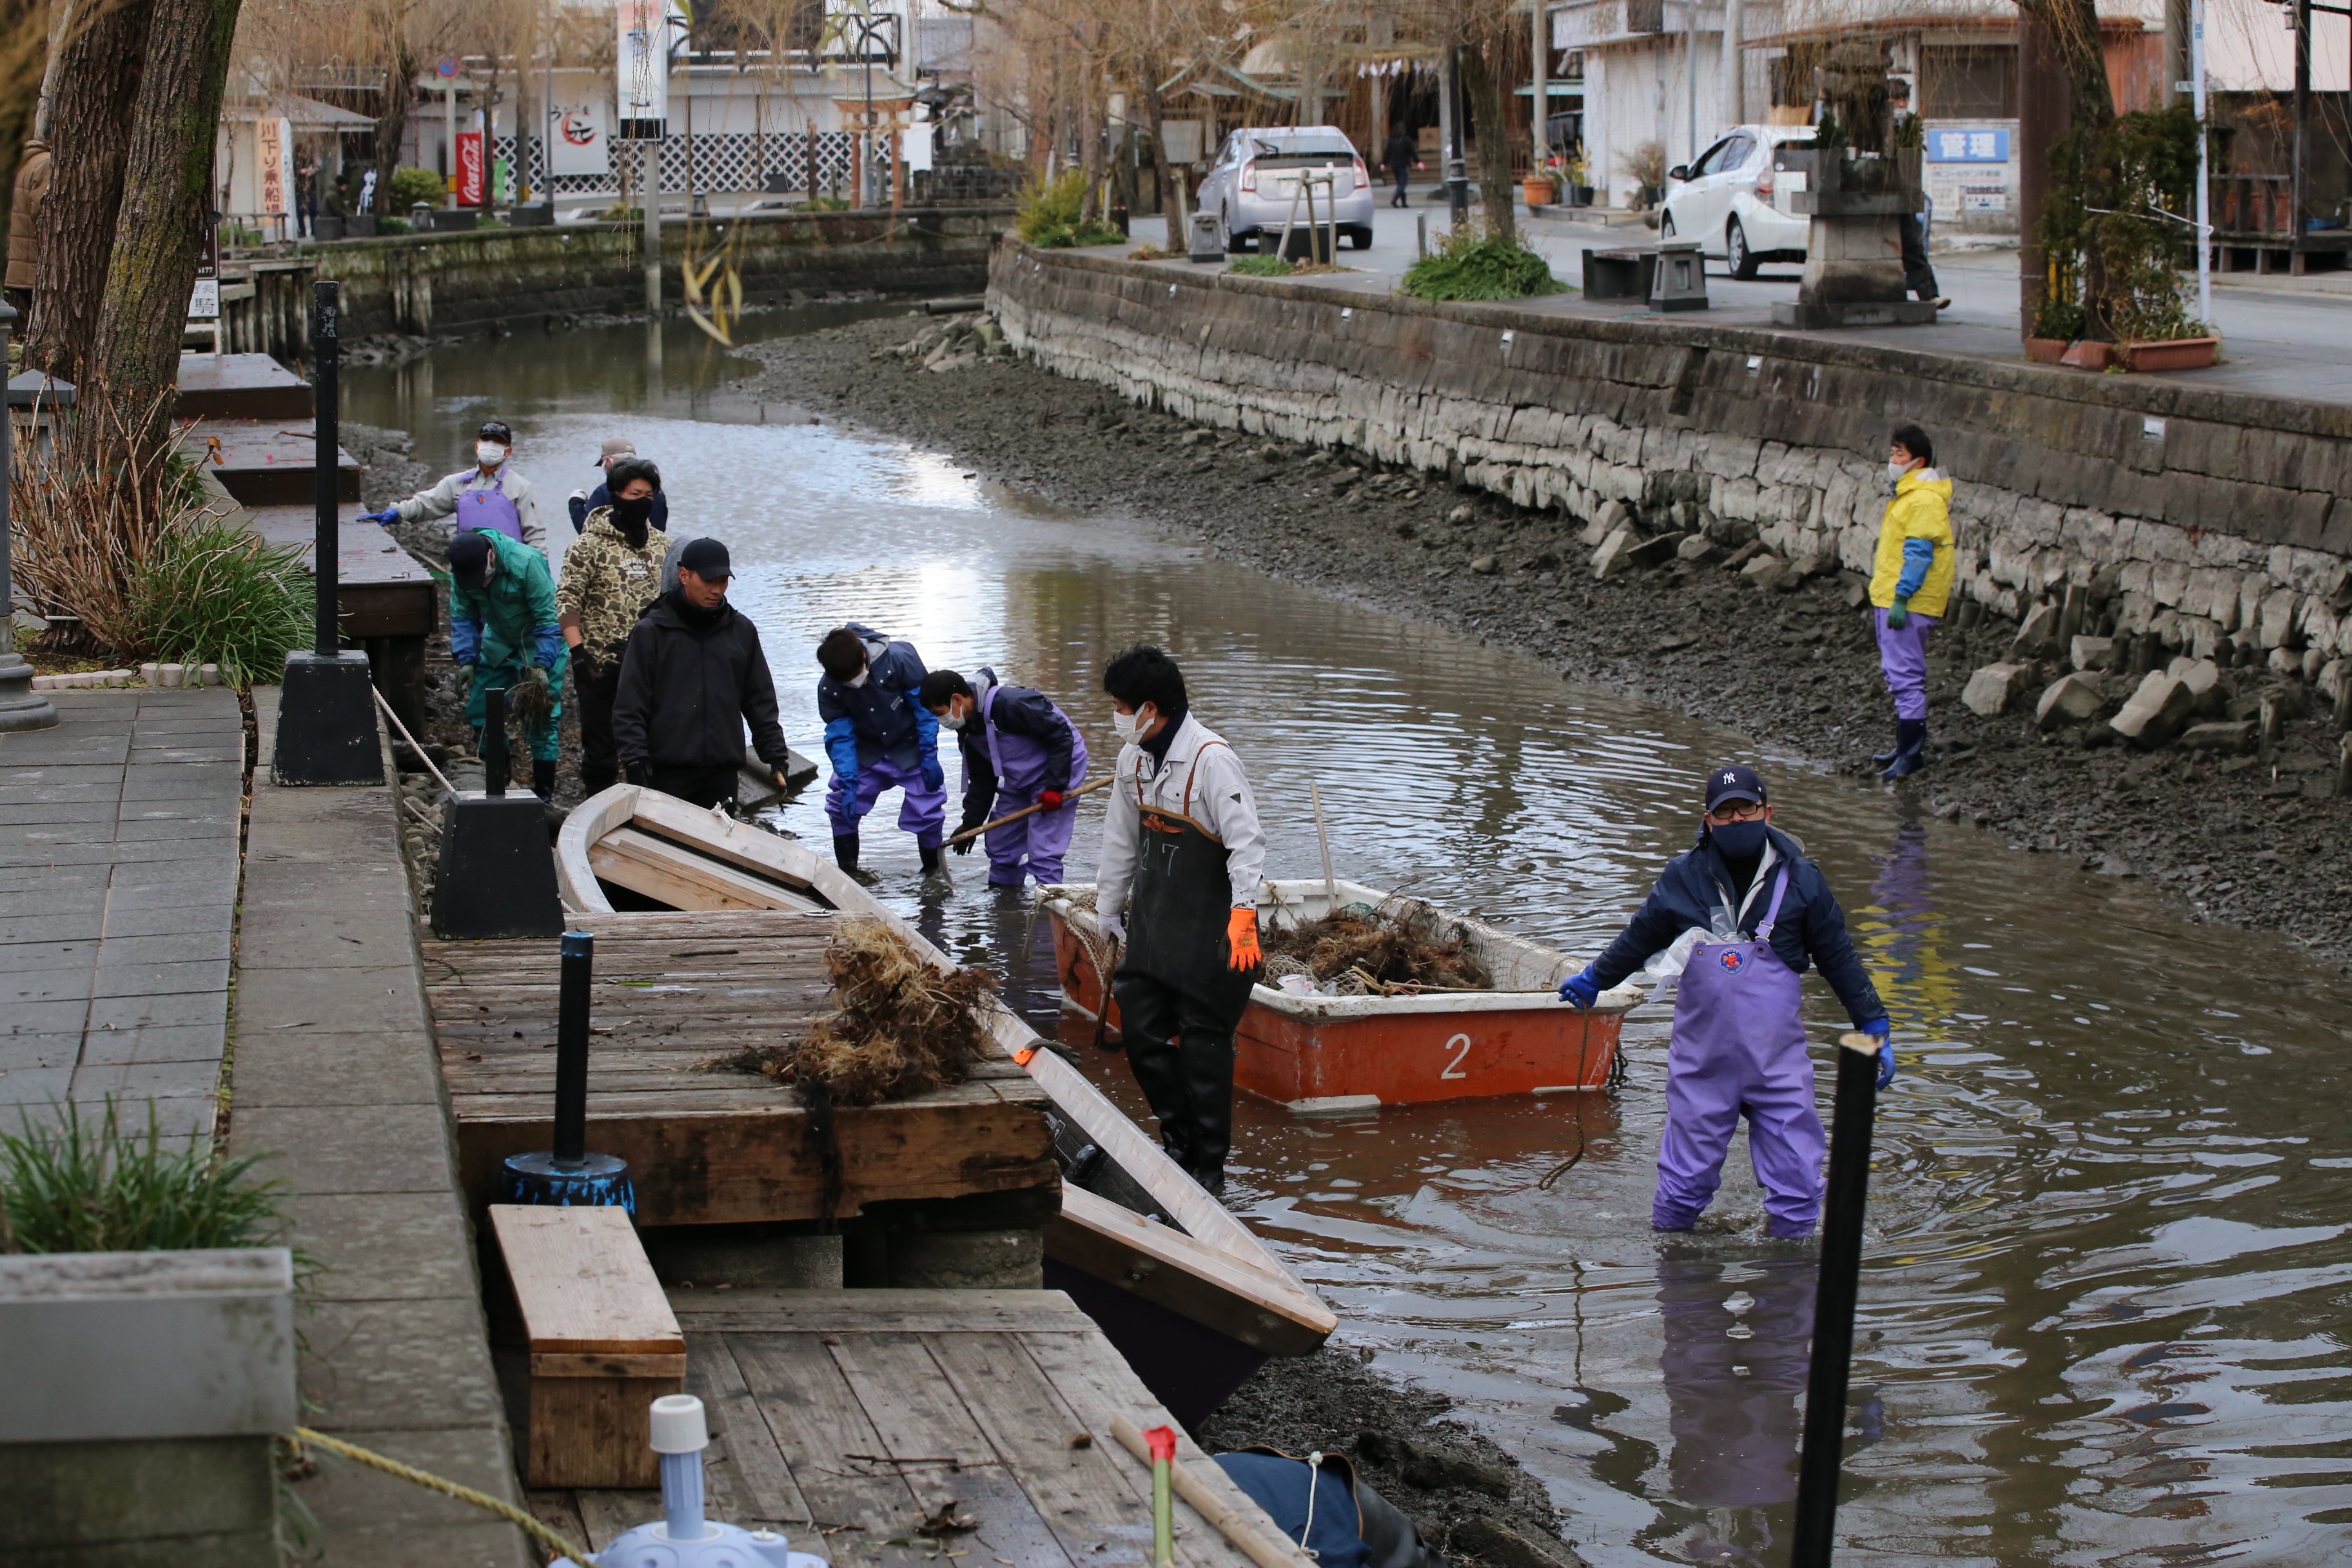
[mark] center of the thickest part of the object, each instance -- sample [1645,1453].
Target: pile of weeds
[1403,945]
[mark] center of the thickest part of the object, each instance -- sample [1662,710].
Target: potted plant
[1645,165]
[1578,175]
[2113,231]
[1542,188]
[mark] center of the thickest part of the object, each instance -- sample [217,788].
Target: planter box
[2087,355]
[1580,195]
[2045,351]
[359,226]
[2174,354]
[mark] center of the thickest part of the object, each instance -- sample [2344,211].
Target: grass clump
[1261,267]
[1053,216]
[90,1186]
[899,1027]
[1470,264]
[1403,945]
[210,593]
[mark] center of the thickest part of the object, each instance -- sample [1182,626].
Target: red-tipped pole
[1163,1505]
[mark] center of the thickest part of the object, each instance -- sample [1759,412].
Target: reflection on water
[2103,1309]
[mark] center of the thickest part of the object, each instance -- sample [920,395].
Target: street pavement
[2284,337]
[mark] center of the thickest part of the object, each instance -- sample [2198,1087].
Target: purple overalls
[1041,840]
[1738,1049]
[490,510]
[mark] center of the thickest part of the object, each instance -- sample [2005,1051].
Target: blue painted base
[598,1181]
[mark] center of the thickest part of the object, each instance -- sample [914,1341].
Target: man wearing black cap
[503,625]
[617,449]
[692,675]
[1749,911]
[489,496]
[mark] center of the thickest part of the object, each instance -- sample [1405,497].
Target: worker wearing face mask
[489,496]
[581,502]
[880,736]
[612,576]
[503,627]
[1019,750]
[1910,588]
[1748,911]
[1182,865]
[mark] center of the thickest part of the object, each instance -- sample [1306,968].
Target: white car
[1736,204]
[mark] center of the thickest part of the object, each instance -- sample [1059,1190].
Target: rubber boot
[543,779]
[1910,748]
[1881,759]
[844,852]
[1206,1060]
[932,861]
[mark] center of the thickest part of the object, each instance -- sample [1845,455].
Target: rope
[506,1510]
[410,739]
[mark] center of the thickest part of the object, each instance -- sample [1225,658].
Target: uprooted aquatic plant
[1404,943]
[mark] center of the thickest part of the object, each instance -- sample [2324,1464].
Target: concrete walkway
[335,1074]
[118,905]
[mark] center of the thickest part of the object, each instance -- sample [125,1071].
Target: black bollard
[568,1174]
[326,711]
[496,876]
[1824,1460]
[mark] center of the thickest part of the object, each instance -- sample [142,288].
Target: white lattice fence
[736,161]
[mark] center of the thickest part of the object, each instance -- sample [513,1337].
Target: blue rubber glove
[1878,1030]
[464,641]
[1898,615]
[1580,990]
[934,776]
[388,516]
[551,646]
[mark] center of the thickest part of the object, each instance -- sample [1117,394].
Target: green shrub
[88,1186]
[395,226]
[1470,264]
[1261,267]
[2113,231]
[411,185]
[1052,215]
[210,593]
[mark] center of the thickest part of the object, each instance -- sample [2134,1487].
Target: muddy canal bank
[2253,841]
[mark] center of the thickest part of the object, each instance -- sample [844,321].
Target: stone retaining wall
[2201,519]
[424,284]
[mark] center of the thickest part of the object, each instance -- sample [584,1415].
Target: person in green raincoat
[503,623]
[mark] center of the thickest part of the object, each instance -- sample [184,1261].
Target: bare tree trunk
[1484,94]
[1164,175]
[1092,113]
[166,196]
[97,90]
[399,88]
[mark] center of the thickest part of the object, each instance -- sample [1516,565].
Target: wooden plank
[750,1470]
[716,835]
[645,864]
[1083,1493]
[608,1515]
[606,1363]
[921,1420]
[816,1420]
[582,1280]
[860,1311]
[1121,1248]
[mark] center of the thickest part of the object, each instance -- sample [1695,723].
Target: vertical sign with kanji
[273,158]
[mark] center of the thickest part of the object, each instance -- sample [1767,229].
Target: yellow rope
[505,1511]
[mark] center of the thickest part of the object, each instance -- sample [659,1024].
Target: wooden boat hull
[1192,1298]
[1326,1054]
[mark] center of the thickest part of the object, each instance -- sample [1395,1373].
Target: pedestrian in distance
[1019,750]
[490,495]
[1910,588]
[1750,912]
[880,736]
[503,628]
[1183,868]
[1403,156]
[581,502]
[1911,228]
[611,577]
[692,677]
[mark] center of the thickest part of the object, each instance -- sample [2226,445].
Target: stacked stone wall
[2203,519]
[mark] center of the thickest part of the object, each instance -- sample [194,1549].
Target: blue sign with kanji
[1968,144]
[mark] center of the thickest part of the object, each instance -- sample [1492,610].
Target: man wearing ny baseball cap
[1757,913]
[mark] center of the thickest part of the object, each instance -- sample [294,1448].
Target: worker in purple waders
[1759,911]
[1019,750]
[879,736]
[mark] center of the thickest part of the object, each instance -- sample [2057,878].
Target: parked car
[1253,182]
[1736,204]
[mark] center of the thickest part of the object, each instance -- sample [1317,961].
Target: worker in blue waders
[1751,911]
[1182,866]
[489,496]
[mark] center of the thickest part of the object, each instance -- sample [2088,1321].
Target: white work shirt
[1199,762]
[441,500]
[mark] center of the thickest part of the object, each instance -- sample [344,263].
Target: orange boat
[1327,1053]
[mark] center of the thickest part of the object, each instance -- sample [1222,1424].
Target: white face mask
[1129,727]
[489,454]
[948,720]
[1895,470]
[856,681]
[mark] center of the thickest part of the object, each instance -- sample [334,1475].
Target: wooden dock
[862,1423]
[674,991]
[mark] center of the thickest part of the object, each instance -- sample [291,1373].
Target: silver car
[1254,187]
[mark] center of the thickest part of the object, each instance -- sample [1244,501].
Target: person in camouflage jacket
[612,574]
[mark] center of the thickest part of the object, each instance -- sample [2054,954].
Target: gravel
[2257,840]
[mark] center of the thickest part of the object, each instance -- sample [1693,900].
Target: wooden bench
[603,1343]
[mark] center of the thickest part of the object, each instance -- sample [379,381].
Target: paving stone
[361,1001]
[204,936]
[346,940]
[376,1247]
[104,808]
[87,792]
[21,840]
[21,1052]
[85,921]
[209,1007]
[147,1081]
[45,1017]
[404,1149]
[141,914]
[200,752]
[60,983]
[23,957]
[303,1067]
[345,1495]
[30,1088]
[174,882]
[405,1364]
[155,1043]
[206,823]
[182,781]
[129,977]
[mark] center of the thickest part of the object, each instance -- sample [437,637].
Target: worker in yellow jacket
[1910,586]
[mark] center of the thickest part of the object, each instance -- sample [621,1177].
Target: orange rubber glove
[1241,931]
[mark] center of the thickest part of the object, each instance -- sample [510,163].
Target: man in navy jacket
[1759,912]
[879,736]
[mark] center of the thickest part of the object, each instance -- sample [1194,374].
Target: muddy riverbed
[2108,1269]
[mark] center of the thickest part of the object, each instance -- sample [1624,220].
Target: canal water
[2104,1310]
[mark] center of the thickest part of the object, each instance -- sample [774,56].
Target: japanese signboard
[1968,144]
[273,159]
[575,138]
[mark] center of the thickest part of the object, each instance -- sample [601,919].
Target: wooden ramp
[847,1419]
[672,992]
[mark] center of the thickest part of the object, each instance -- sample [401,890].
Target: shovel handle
[1067,796]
